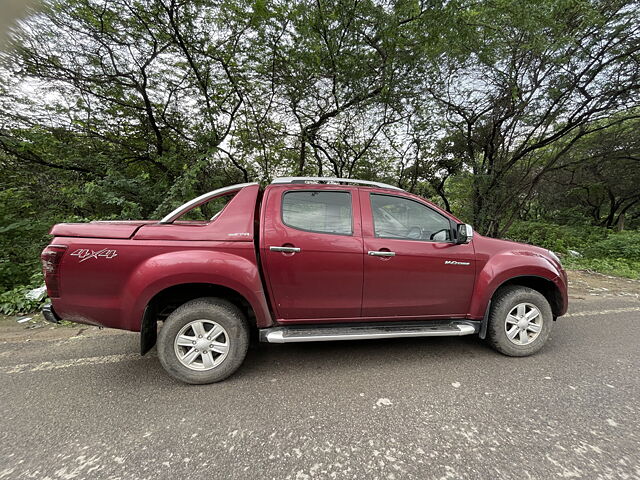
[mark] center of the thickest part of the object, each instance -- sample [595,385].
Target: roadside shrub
[609,266]
[558,238]
[18,300]
[23,234]
[621,245]
[601,250]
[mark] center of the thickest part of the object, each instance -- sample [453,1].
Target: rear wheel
[203,341]
[520,321]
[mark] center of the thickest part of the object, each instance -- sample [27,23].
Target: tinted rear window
[318,211]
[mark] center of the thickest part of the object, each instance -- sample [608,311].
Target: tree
[599,177]
[526,78]
[127,108]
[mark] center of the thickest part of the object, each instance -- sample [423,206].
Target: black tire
[503,302]
[217,310]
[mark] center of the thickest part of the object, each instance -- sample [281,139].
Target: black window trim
[452,224]
[318,190]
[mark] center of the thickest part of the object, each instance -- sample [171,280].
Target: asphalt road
[88,407]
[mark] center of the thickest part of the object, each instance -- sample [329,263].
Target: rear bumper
[50,314]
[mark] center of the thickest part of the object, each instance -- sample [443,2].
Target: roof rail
[282,180]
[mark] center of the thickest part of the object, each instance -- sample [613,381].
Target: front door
[412,267]
[312,251]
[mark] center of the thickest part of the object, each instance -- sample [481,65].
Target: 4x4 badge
[86,254]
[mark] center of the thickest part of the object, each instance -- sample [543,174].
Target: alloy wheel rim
[523,324]
[201,345]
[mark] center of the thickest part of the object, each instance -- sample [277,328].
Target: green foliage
[623,247]
[601,250]
[597,180]
[23,235]
[558,238]
[17,300]
[618,267]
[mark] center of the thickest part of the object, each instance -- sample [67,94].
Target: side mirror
[465,233]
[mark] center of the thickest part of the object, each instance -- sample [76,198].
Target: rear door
[412,267]
[312,250]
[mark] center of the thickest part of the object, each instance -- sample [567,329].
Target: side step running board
[366,332]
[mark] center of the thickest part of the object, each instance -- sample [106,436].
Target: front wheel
[520,321]
[203,341]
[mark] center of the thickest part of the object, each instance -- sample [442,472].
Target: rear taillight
[51,257]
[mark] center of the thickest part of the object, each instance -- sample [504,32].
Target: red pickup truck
[304,259]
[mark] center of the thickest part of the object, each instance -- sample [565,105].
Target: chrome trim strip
[285,249]
[376,253]
[293,335]
[170,218]
[282,180]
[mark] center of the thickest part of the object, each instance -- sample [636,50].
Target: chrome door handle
[285,249]
[377,253]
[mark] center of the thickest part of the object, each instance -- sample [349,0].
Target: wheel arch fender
[536,272]
[196,266]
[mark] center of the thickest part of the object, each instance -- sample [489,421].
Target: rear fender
[194,266]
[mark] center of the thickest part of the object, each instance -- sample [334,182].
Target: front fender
[193,266]
[506,266]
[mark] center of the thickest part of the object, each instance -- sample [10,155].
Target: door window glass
[318,211]
[396,217]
